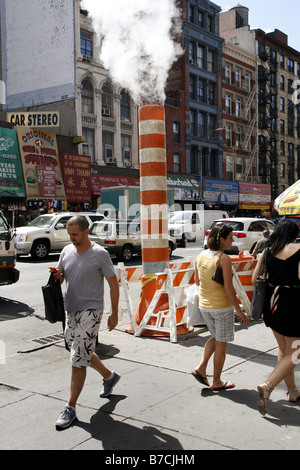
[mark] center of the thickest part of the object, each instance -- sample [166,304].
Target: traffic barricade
[242,269]
[164,314]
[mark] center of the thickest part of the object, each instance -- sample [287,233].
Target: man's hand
[112,321]
[56,272]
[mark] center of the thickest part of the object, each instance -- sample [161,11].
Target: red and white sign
[251,194]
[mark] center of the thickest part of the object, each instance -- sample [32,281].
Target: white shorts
[81,333]
[220,323]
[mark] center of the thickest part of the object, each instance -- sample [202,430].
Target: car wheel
[40,250]
[183,241]
[127,253]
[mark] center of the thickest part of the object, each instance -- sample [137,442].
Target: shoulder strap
[263,262]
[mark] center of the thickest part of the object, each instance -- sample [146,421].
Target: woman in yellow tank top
[217,303]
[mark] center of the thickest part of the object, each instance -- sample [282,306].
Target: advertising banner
[220,192]
[184,188]
[39,148]
[11,175]
[253,196]
[46,179]
[76,170]
[105,181]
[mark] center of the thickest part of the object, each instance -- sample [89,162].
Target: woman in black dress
[281,310]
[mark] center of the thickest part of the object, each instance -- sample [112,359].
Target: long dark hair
[285,232]
[218,231]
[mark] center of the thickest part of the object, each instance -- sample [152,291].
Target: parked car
[122,239]
[246,232]
[47,233]
[190,225]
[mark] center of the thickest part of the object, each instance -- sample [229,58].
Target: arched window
[87,97]
[107,99]
[125,106]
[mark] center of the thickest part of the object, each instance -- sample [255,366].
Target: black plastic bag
[53,300]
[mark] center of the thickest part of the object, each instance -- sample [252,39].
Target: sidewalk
[156,406]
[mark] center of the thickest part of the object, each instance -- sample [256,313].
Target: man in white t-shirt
[83,266]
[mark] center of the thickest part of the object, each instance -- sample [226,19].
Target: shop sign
[39,148]
[34,119]
[11,175]
[254,196]
[46,179]
[220,192]
[76,170]
[184,188]
[105,181]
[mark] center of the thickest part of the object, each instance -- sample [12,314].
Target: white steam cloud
[139,45]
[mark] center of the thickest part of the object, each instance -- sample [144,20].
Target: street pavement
[157,406]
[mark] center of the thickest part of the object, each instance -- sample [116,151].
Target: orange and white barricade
[163,314]
[242,268]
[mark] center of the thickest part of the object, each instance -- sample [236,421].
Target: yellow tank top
[212,294]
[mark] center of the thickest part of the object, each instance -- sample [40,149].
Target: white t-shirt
[84,275]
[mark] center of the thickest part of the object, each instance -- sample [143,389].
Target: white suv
[47,233]
[246,231]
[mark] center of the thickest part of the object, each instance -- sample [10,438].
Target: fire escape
[249,114]
[268,114]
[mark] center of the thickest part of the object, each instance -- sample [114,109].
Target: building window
[200,18]
[229,168]
[282,61]
[282,170]
[238,107]
[228,135]
[106,101]
[281,82]
[86,43]
[210,61]
[126,149]
[282,147]
[88,148]
[211,93]
[282,126]
[227,74]
[87,97]
[282,106]
[200,90]
[125,106]
[176,132]
[108,148]
[201,125]
[176,163]
[200,55]
[237,78]
[227,104]
[291,66]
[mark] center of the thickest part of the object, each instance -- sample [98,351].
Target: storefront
[254,199]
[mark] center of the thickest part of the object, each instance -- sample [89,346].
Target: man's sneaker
[109,384]
[66,418]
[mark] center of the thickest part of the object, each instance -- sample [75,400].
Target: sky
[271,14]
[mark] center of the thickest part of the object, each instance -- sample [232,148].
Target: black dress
[282,302]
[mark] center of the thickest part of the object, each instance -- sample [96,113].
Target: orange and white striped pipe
[153,187]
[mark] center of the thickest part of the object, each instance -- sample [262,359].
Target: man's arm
[114,298]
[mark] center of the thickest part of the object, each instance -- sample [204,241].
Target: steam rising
[139,45]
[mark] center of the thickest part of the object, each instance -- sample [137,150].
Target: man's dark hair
[79,220]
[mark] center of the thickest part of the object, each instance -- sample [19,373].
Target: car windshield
[42,221]
[237,226]
[101,229]
[180,218]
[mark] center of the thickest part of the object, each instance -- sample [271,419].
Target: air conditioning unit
[85,149]
[193,62]
[105,112]
[111,160]
[87,57]
[127,163]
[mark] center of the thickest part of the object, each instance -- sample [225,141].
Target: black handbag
[53,301]
[218,274]
[258,298]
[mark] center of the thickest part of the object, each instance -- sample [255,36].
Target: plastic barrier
[160,313]
[242,268]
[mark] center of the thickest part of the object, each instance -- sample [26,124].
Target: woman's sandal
[294,395]
[263,399]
